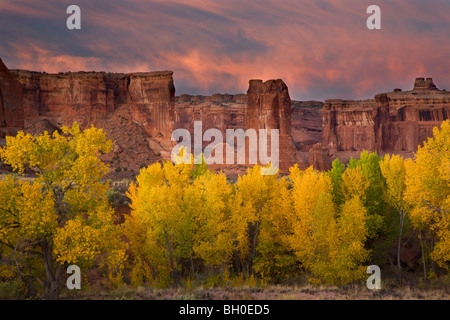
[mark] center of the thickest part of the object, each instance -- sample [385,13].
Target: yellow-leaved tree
[213,241]
[63,216]
[259,218]
[180,222]
[328,243]
[394,171]
[160,227]
[428,191]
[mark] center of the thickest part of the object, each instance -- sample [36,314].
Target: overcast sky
[322,49]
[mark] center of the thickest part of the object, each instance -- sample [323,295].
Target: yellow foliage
[330,246]
[64,214]
[394,171]
[428,190]
[161,226]
[354,184]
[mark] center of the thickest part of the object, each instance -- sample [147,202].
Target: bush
[11,289]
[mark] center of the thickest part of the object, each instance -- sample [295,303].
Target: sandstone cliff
[136,110]
[269,107]
[88,97]
[139,112]
[392,122]
[11,111]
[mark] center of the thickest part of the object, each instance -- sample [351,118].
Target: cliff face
[88,97]
[407,120]
[269,107]
[11,110]
[220,111]
[392,122]
[306,124]
[139,112]
[349,125]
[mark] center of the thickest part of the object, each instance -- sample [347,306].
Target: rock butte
[139,111]
[394,122]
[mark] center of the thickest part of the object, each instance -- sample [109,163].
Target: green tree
[336,172]
[373,198]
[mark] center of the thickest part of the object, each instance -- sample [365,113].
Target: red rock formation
[349,125]
[87,97]
[218,111]
[136,110]
[140,111]
[392,122]
[11,110]
[306,124]
[152,100]
[269,107]
[265,106]
[319,157]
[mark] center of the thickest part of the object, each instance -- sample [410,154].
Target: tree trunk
[423,257]
[172,264]
[399,247]
[52,271]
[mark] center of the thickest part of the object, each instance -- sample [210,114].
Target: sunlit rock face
[140,111]
[392,122]
[11,103]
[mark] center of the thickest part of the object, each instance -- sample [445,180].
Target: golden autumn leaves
[63,216]
[318,222]
[188,221]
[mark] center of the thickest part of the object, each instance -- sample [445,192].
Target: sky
[322,49]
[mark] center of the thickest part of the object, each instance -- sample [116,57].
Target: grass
[270,292]
[245,292]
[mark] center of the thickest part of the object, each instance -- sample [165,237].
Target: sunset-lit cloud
[320,48]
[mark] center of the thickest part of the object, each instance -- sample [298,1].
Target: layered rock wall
[269,107]
[139,112]
[392,122]
[88,97]
[11,108]
[219,111]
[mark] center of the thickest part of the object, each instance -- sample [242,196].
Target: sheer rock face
[219,111]
[392,122]
[139,112]
[88,97]
[269,107]
[319,157]
[11,110]
[152,100]
[306,124]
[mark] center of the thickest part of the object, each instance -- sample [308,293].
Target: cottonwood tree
[63,216]
[394,171]
[260,216]
[373,198]
[428,191]
[328,243]
[180,222]
[161,226]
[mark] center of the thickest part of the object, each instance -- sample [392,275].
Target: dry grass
[272,292]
